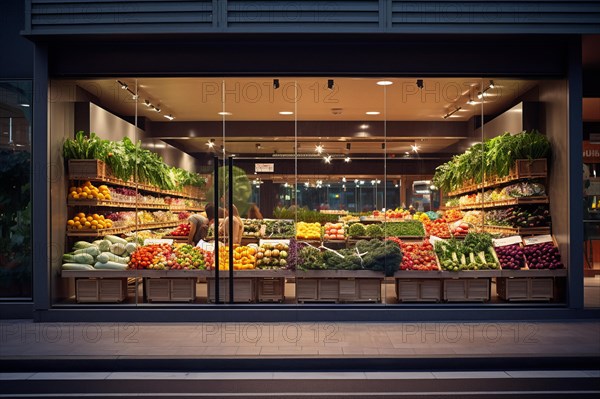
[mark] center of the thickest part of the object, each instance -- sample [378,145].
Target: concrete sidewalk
[27,340]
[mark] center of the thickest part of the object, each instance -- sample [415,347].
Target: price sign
[207,246]
[274,241]
[502,242]
[537,239]
[150,241]
[264,167]
[434,239]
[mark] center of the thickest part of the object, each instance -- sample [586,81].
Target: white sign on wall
[264,167]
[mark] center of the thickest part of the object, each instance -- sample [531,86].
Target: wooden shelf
[138,186]
[120,230]
[129,205]
[503,203]
[522,231]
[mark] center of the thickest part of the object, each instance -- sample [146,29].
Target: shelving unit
[498,204]
[120,230]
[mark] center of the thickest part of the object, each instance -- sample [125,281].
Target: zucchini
[118,249]
[93,250]
[110,266]
[82,244]
[115,239]
[79,258]
[130,248]
[76,266]
[104,245]
[110,257]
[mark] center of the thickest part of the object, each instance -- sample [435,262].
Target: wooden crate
[419,290]
[530,168]
[88,169]
[244,290]
[467,290]
[338,289]
[525,289]
[170,289]
[270,289]
[100,290]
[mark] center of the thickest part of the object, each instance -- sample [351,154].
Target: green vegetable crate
[80,169]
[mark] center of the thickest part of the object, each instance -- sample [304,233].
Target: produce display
[308,231]
[452,215]
[459,229]
[438,228]
[243,257]
[374,230]
[89,222]
[111,253]
[186,257]
[304,215]
[511,256]
[500,154]
[473,217]
[407,228]
[357,230]
[543,256]
[272,256]
[380,255]
[417,255]
[334,231]
[343,259]
[88,191]
[252,227]
[475,252]
[279,228]
[310,258]
[519,216]
[183,230]
[154,256]
[126,159]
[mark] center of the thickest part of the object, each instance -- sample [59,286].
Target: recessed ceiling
[256,99]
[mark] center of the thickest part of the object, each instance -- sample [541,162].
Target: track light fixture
[449,114]
[147,103]
[327,158]
[420,83]
[275,84]
[491,86]
[471,101]
[330,84]
[169,117]
[319,148]
[481,93]
[122,84]
[347,160]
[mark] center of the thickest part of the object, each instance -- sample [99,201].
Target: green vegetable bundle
[378,255]
[408,228]
[474,253]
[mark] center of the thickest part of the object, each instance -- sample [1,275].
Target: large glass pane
[15,174]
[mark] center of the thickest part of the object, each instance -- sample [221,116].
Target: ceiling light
[347,159]
[276,84]
[134,96]
[344,186]
[169,117]
[395,185]
[414,147]
[286,113]
[492,84]
[372,112]
[319,149]
[123,85]
[330,84]
[373,182]
[258,146]
[327,159]
[407,153]
[385,83]
[364,126]
[471,101]
[344,179]
[286,185]
[480,95]
[224,113]
[147,103]
[362,182]
[157,109]
[24,105]
[306,184]
[211,143]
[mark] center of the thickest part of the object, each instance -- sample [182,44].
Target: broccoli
[379,255]
[350,260]
[357,230]
[374,230]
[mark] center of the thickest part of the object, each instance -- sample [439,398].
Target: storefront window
[350,190]
[15,198]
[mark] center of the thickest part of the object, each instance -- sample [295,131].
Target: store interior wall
[553,95]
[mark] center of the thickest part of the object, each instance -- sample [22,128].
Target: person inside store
[254,212]
[238,226]
[200,222]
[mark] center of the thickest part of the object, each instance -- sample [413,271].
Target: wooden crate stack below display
[101,290]
[419,290]
[525,289]
[244,290]
[467,290]
[270,289]
[170,289]
[338,290]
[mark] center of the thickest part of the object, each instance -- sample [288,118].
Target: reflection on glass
[15,196]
